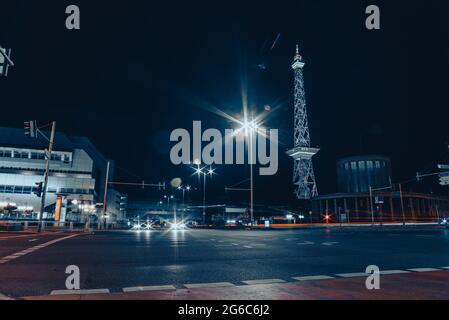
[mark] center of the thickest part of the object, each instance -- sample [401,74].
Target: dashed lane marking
[263,281]
[248,247]
[32,249]
[310,278]
[149,288]
[209,285]
[423,269]
[329,243]
[444,267]
[306,243]
[32,240]
[89,291]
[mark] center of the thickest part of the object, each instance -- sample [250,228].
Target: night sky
[139,69]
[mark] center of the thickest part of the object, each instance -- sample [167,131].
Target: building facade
[354,202]
[76,177]
[357,174]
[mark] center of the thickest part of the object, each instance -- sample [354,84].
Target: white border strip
[149,288]
[263,281]
[78,292]
[424,269]
[209,285]
[352,275]
[311,278]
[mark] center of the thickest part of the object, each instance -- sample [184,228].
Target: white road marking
[223,245]
[383,272]
[444,267]
[32,249]
[19,236]
[423,269]
[306,243]
[235,244]
[249,247]
[89,291]
[263,281]
[149,288]
[32,240]
[3,297]
[208,285]
[352,275]
[310,278]
[329,243]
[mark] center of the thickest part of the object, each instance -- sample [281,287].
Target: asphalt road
[117,259]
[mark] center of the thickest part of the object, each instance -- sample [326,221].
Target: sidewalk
[406,286]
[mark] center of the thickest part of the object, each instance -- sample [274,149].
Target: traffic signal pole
[105,198]
[47,168]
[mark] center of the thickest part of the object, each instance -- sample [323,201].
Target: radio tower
[302,153]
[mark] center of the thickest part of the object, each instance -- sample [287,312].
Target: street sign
[444,179]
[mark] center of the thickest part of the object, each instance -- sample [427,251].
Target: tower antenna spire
[297,55]
[302,153]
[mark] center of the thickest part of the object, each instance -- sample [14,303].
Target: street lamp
[209,172]
[183,189]
[250,127]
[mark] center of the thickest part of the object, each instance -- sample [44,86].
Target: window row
[33,155]
[29,190]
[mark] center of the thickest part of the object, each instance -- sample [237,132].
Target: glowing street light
[250,127]
[206,172]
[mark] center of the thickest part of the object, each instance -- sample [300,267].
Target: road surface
[35,265]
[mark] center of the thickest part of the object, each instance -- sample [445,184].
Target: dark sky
[139,69]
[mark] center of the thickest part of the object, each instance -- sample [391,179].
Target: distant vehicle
[160,225]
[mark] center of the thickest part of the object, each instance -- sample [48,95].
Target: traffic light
[38,189]
[30,128]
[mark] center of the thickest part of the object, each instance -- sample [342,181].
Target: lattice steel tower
[302,153]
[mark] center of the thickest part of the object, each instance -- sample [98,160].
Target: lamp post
[202,171]
[250,127]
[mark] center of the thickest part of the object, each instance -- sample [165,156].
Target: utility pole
[105,197]
[371,204]
[204,200]
[47,168]
[251,177]
[402,204]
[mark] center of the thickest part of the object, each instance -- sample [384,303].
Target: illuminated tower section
[302,153]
